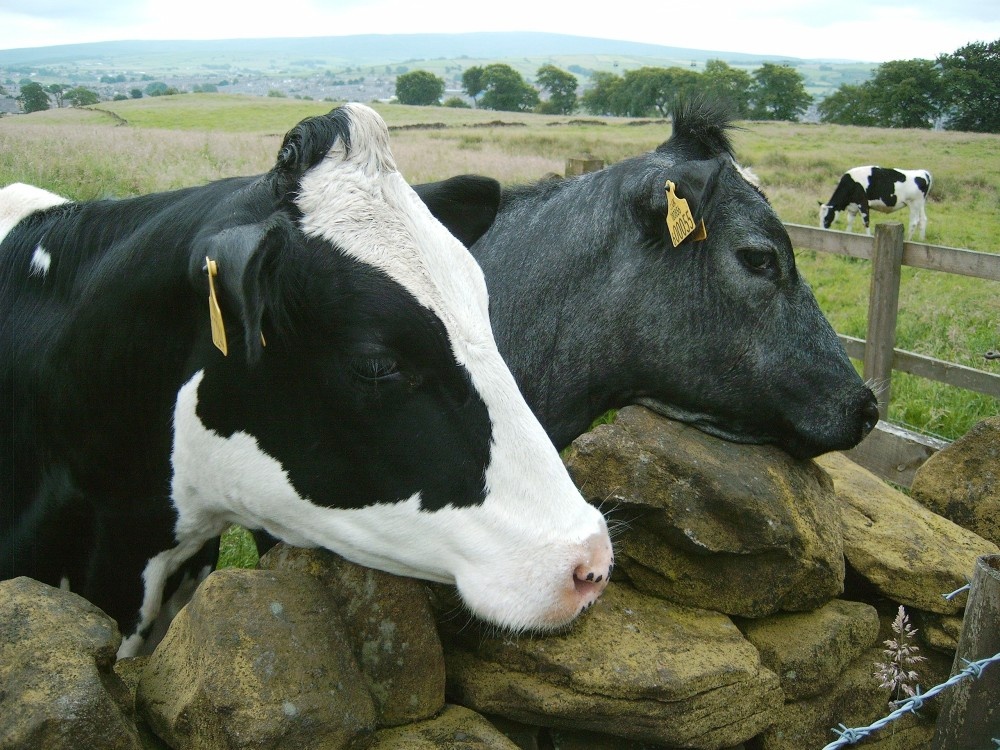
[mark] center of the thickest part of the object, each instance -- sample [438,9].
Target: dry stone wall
[751,597]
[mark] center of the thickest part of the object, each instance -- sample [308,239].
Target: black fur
[593,307]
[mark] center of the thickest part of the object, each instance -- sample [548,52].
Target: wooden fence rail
[892,451]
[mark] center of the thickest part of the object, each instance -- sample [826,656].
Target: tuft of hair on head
[701,127]
[308,142]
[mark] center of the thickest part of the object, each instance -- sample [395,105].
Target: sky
[874,31]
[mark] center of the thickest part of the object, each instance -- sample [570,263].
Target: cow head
[363,405]
[747,355]
[595,306]
[826,215]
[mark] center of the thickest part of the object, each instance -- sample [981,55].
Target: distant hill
[382,56]
[372,49]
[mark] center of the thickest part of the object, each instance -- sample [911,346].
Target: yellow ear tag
[214,311]
[680,221]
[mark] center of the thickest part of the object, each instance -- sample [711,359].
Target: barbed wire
[848,736]
[956,592]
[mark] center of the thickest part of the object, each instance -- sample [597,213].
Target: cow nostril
[870,415]
[588,582]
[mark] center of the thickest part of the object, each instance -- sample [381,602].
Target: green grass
[237,549]
[184,140]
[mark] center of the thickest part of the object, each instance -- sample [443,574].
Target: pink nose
[593,569]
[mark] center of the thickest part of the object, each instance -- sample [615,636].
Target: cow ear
[466,204]
[694,182]
[240,260]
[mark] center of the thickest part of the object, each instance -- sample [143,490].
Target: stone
[940,632]
[962,482]
[855,700]
[741,529]
[568,739]
[456,728]
[257,659]
[390,625]
[633,666]
[910,554]
[129,670]
[809,650]
[58,688]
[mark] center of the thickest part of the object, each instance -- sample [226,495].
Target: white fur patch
[18,200]
[747,174]
[41,261]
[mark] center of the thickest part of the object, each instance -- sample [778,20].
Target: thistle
[897,671]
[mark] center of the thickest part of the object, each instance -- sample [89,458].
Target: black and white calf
[886,190]
[362,407]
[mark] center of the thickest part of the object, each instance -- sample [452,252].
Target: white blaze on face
[534,553]
[18,200]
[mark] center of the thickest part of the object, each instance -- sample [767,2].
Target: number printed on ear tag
[680,221]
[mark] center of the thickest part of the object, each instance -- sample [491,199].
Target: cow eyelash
[759,261]
[376,369]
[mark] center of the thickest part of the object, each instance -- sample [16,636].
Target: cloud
[69,11]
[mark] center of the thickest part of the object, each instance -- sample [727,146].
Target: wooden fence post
[883,302]
[583,164]
[970,711]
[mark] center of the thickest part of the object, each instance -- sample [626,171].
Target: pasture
[133,147]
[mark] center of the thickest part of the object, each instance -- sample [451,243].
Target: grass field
[170,142]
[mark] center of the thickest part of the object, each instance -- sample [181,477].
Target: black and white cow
[887,190]
[594,307]
[363,405]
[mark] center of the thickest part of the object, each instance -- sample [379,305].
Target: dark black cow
[594,306]
[363,405]
[887,190]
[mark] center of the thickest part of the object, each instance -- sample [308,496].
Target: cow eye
[759,260]
[376,369]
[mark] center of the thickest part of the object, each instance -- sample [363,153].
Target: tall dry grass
[178,141]
[86,161]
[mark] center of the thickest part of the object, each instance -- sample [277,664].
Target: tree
[472,82]
[601,97]
[135,93]
[724,83]
[456,102]
[901,94]
[33,97]
[653,91]
[419,87]
[905,94]
[970,76]
[778,93]
[848,105]
[561,87]
[81,97]
[57,89]
[505,90]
